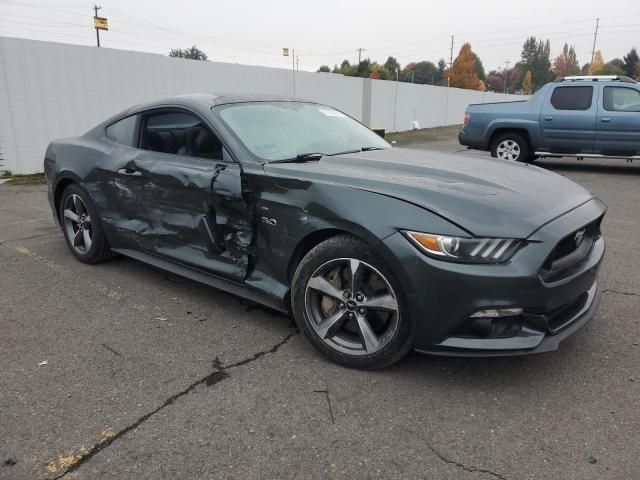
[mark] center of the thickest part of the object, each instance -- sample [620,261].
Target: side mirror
[379,131]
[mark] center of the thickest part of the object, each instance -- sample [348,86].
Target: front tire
[350,306]
[81,226]
[512,147]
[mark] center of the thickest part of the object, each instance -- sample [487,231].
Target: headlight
[466,250]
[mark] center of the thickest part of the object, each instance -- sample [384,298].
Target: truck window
[621,99]
[572,98]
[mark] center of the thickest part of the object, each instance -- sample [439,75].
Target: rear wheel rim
[77,224]
[352,307]
[508,150]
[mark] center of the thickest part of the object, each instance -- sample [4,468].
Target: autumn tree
[566,63]
[527,83]
[463,71]
[597,65]
[380,72]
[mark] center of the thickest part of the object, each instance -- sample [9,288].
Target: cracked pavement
[152,376]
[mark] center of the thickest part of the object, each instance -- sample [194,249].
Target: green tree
[193,53]
[426,73]
[536,59]
[324,68]
[392,66]
[611,68]
[479,67]
[442,66]
[363,69]
[631,63]
[345,69]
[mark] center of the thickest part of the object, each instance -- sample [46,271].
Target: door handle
[605,120]
[129,171]
[548,118]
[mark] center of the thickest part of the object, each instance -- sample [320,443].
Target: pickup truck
[580,116]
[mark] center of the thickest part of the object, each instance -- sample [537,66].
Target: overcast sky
[328,31]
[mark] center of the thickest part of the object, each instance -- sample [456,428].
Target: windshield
[284,130]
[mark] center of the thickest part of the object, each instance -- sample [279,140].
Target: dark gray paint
[242,226]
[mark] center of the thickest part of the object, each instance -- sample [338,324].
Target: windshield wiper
[301,157]
[312,156]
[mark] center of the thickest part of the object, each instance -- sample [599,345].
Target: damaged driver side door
[196,214]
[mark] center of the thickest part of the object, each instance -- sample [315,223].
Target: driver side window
[179,133]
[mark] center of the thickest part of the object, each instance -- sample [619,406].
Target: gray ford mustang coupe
[374,250]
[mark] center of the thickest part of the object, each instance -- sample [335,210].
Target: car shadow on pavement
[623,168]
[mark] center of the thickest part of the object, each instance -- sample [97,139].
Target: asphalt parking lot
[148,375]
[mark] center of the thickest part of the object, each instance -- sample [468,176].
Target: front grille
[568,251]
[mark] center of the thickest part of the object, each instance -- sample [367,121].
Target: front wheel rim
[352,307]
[508,150]
[77,224]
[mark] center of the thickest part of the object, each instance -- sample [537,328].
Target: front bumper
[441,296]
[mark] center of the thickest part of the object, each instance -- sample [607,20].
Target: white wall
[395,105]
[52,90]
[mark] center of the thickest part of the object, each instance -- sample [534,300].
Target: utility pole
[297,64]
[595,37]
[506,75]
[95,10]
[360,50]
[450,63]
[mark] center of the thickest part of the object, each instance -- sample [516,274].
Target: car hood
[485,196]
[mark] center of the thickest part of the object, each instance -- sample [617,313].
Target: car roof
[209,100]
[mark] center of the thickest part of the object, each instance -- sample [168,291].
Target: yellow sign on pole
[101,23]
[285,52]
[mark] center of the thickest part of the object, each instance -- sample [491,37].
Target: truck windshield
[284,130]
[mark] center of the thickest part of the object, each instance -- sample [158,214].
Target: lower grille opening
[562,317]
[503,327]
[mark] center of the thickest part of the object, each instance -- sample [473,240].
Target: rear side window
[621,99]
[572,98]
[123,131]
[180,133]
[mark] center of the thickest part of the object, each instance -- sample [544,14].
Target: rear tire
[512,147]
[350,306]
[82,227]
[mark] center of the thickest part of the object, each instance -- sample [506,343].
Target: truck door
[618,130]
[568,119]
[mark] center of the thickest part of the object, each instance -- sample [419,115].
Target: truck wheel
[512,147]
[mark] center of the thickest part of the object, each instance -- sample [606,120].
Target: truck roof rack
[596,78]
